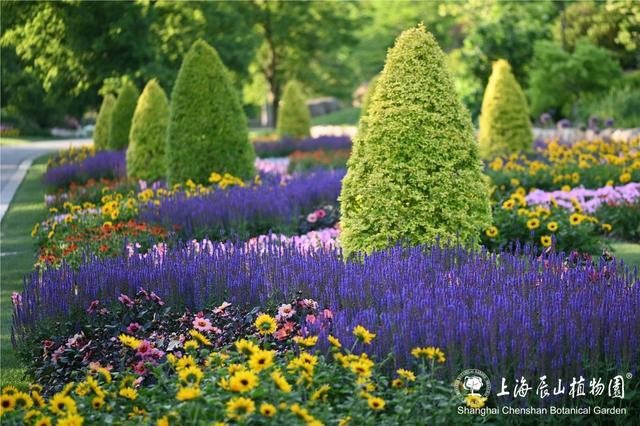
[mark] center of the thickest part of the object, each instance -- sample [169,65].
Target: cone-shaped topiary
[207,127]
[293,115]
[146,153]
[415,175]
[122,116]
[103,123]
[504,121]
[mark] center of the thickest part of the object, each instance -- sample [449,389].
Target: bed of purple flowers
[513,314]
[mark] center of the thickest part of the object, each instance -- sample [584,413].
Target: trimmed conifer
[415,175]
[122,115]
[505,127]
[207,127]
[294,119]
[148,138]
[103,123]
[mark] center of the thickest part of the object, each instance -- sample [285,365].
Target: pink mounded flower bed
[589,199]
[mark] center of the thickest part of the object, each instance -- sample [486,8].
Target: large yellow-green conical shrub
[293,116]
[505,127]
[415,175]
[146,153]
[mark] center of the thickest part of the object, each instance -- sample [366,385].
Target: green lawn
[629,252]
[344,117]
[18,255]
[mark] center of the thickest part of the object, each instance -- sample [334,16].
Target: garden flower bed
[445,288]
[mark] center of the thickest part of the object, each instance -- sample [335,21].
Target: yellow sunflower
[552,226]
[237,408]
[545,240]
[475,401]
[266,324]
[243,381]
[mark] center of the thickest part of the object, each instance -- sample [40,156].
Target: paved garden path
[15,160]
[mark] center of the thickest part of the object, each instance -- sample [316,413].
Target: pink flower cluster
[322,239]
[276,166]
[589,199]
[318,214]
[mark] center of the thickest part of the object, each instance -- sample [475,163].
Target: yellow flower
[97,403]
[475,401]
[345,421]
[376,403]
[565,188]
[281,382]
[7,402]
[246,347]
[191,375]
[23,400]
[576,219]
[261,360]
[240,407]
[509,204]
[61,404]
[71,420]
[266,324]
[267,410]
[515,182]
[215,177]
[492,232]
[83,389]
[609,183]
[130,341]
[361,368]
[200,337]
[38,399]
[407,374]
[397,383]
[625,177]
[321,393]
[43,421]
[187,393]
[533,223]
[363,334]
[306,341]
[304,361]
[243,381]
[235,368]
[185,361]
[191,344]
[606,227]
[429,352]
[129,393]
[545,240]
[31,414]
[105,373]
[334,342]
[172,359]
[163,421]
[552,226]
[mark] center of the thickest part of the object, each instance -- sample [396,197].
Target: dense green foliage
[504,123]
[559,78]
[103,123]
[614,25]
[146,153]
[122,115]
[294,119]
[416,174]
[622,104]
[207,127]
[68,49]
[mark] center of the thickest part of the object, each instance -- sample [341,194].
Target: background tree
[71,48]
[294,119]
[207,127]
[308,41]
[505,127]
[146,153]
[103,123]
[122,115]
[559,78]
[415,175]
